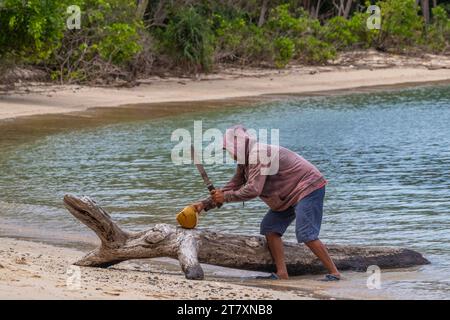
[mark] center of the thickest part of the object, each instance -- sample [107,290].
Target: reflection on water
[386,156]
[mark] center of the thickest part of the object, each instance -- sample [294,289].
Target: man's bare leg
[319,249]
[276,248]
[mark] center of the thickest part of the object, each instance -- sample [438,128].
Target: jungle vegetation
[128,39]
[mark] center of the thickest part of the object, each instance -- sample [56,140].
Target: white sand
[31,270]
[62,99]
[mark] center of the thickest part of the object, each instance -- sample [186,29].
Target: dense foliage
[123,38]
[31,29]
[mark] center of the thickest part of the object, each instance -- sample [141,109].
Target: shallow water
[386,156]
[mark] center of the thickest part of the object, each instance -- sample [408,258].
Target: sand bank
[50,99]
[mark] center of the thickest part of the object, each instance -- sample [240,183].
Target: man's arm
[252,189]
[236,182]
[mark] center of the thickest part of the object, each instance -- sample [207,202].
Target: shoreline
[35,269]
[47,112]
[42,99]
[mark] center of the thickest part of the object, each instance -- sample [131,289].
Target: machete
[202,172]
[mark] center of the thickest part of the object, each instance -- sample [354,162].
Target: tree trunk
[160,14]
[339,7]
[306,4]
[348,8]
[141,8]
[426,10]
[317,9]
[262,15]
[192,247]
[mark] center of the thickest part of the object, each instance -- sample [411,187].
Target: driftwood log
[192,247]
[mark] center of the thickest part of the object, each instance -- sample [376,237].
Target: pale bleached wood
[192,247]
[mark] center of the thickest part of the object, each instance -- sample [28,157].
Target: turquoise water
[386,156]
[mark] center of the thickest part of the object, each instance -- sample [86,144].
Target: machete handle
[212,188]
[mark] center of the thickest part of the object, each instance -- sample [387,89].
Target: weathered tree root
[192,247]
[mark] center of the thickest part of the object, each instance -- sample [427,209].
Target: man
[295,190]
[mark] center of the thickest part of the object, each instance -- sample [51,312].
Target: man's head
[236,141]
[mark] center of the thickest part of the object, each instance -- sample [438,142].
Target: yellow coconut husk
[188,217]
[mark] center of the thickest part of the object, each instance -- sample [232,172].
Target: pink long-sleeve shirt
[294,179]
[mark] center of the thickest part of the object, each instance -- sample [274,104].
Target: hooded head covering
[238,142]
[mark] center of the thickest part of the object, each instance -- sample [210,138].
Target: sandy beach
[36,270]
[369,70]
[33,270]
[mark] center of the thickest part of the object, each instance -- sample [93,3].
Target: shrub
[339,32]
[120,43]
[349,33]
[284,51]
[109,38]
[31,30]
[358,26]
[283,23]
[189,39]
[105,46]
[296,36]
[314,51]
[401,25]
[438,34]
[238,40]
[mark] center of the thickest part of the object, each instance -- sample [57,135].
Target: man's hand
[218,196]
[198,206]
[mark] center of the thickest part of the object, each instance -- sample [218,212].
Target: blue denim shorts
[307,213]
